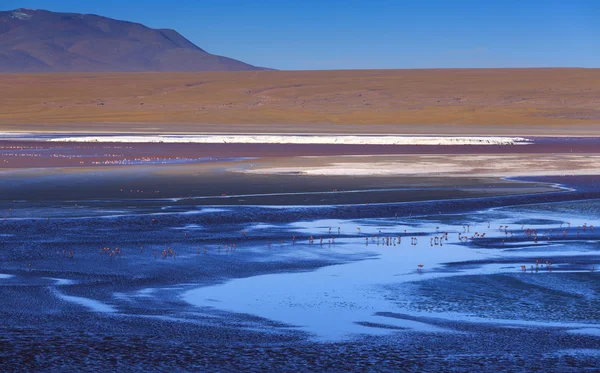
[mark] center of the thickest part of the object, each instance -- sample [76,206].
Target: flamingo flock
[436,238]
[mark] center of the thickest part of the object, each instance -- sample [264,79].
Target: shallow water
[335,302]
[252,269]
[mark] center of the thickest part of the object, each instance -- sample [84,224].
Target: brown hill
[468,101]
[43,41]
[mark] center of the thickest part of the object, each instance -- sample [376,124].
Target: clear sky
[332,34]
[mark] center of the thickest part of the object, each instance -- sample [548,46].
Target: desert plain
[445,101]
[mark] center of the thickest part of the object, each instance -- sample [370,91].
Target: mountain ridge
[37,40]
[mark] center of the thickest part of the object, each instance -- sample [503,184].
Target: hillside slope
[43,41]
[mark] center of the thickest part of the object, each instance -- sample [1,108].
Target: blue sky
[332,34]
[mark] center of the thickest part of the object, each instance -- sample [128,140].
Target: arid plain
[446,101]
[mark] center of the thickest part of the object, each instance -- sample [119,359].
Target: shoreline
[301,139]
[80,170]
[15,153]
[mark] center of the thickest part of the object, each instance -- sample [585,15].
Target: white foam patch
[301,139]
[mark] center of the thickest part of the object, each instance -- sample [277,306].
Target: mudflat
[285,174]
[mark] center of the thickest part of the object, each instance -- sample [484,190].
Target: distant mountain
[43,41]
